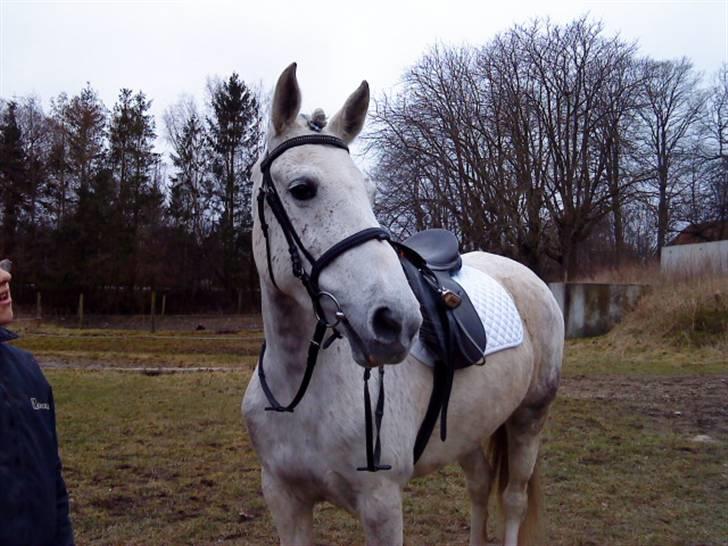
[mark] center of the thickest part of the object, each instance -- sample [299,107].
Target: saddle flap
[438,247]
[455,335]
[467,338]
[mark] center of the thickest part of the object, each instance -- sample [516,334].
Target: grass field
[164,459]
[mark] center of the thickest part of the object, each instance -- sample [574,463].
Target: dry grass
[688,312]
[621,355]
[626,274]
[129,348]
[679,310]
[166,460]
[679,327]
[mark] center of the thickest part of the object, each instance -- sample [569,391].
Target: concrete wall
[695,259]
[593,309]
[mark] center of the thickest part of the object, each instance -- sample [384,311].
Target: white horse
[312,454]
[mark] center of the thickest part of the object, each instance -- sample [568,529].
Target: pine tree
[84,120]
[234,128]
[76,164]
[58,184]
[133,162]
[191,190]
[12,177]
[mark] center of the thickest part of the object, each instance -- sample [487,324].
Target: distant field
[63,347]
[164,459]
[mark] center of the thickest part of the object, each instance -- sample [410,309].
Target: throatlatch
[268,194]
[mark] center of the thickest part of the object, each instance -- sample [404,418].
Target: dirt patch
[125,366]
[202,323]
[687,404]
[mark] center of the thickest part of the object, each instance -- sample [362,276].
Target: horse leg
[478,475]
[521,497]
[292,515]
[381,515]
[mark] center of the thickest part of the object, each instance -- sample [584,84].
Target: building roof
[701,233]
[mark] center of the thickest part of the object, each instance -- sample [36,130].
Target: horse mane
[317,120]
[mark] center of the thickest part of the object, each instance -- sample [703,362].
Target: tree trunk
[618,225]
[662,210]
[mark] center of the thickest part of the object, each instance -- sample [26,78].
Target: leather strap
[328,140]
[373,444]
[313,349]
[342,246]
[268,194]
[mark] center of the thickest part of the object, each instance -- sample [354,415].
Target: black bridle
[268,194]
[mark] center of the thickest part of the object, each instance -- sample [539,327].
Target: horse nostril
[386,324]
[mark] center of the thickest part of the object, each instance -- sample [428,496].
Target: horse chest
[316,430]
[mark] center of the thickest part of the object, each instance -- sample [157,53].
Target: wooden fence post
[154,311]
[80,310]
[38,305]
[164,304]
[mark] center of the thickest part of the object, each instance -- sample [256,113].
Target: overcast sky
[167,48]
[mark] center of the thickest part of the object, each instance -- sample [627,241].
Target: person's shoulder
[20,359]
[16,353]
[7,335]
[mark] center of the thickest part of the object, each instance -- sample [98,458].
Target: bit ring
[319,311]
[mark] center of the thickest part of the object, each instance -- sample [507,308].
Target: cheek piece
[297,251]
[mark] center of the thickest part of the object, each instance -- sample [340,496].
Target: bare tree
[574,66]
[34,128]
[517,147]
[418,138]
[672,107]
[455,149]
[709,195]
[616,134]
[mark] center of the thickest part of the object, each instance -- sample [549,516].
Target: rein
[268,194]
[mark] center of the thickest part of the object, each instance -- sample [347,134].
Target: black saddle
[438,247]
[451,328]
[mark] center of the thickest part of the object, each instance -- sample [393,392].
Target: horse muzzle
[387,337]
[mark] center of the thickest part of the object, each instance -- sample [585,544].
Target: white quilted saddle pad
[495,307]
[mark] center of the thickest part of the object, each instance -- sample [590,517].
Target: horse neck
[288,328]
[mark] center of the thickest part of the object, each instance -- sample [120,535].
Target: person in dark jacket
[33,497]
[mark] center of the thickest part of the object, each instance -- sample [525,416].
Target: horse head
[316,238]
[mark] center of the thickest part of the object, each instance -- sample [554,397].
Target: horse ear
[286,100]
[348,122]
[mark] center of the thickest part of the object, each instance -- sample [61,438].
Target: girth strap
[442,378]
[443,331]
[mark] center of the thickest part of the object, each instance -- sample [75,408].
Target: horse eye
[303,189]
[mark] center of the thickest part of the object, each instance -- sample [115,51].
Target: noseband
[296,249]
